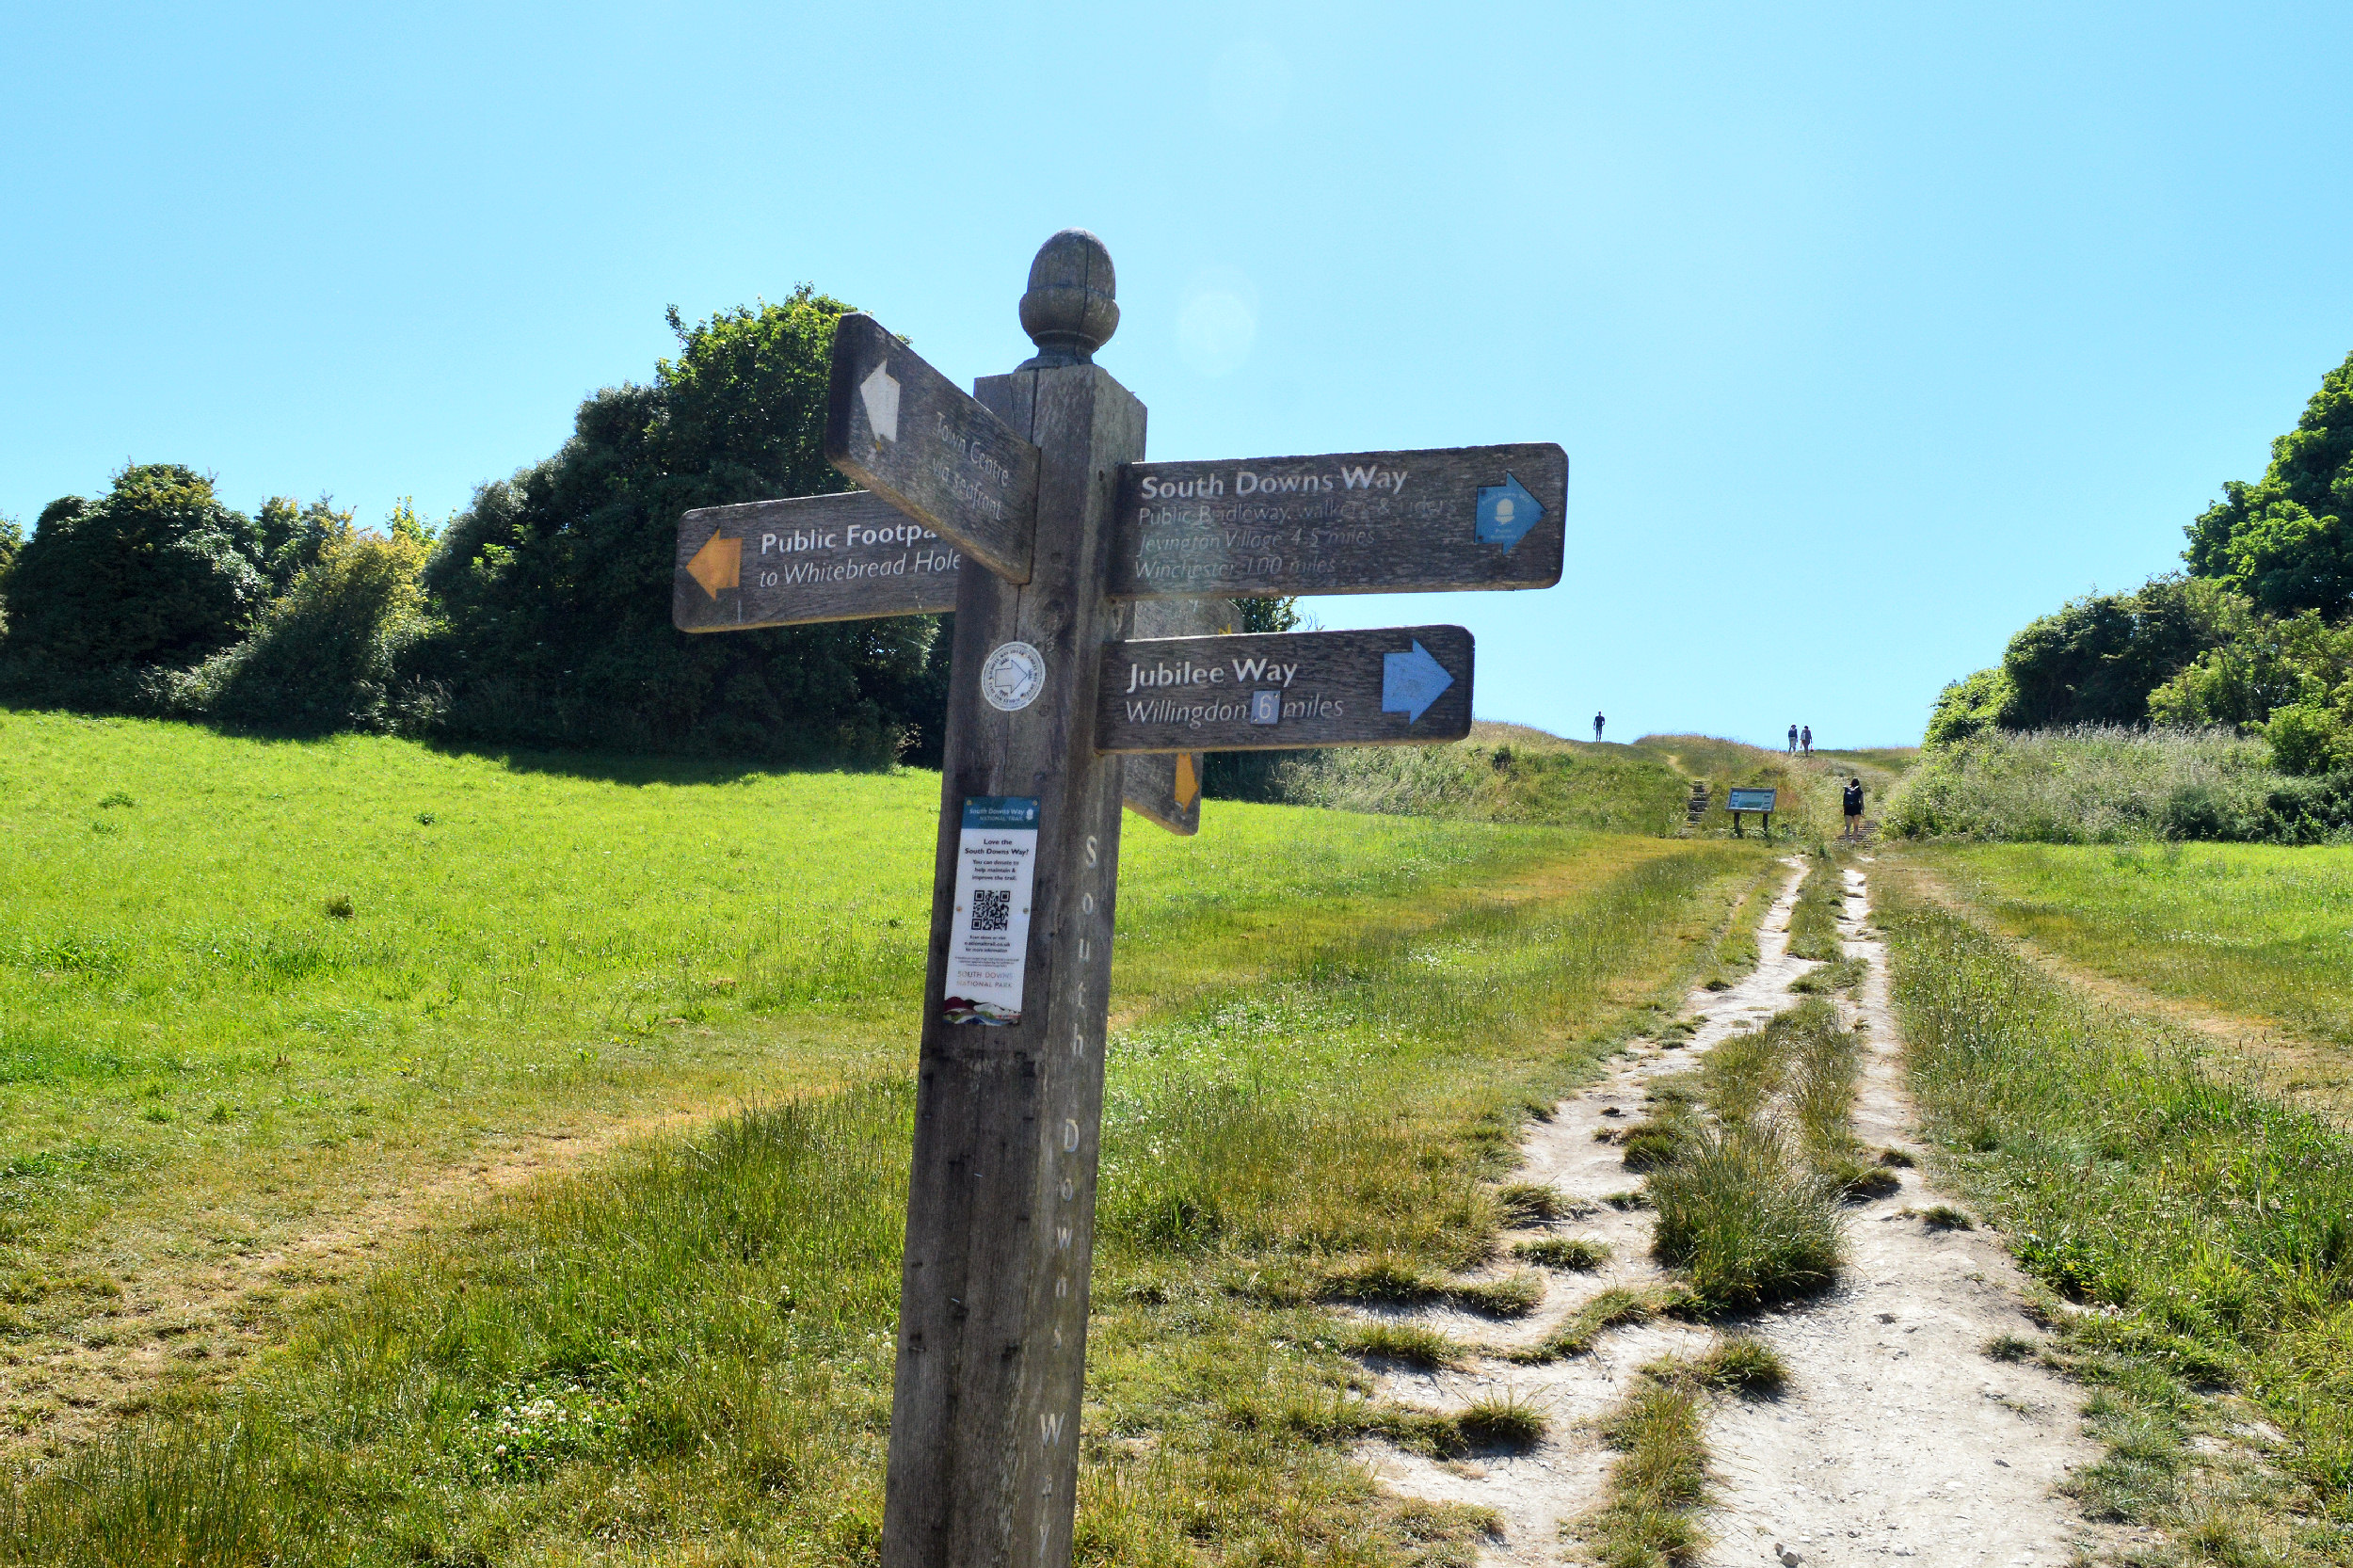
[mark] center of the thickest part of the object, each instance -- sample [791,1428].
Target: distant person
[1805,741]
[1793,740]
[1852,799]
[1598,721]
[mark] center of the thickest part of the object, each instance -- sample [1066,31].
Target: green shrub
[2309,738]
[1746,1219]
[1970,707]
[550,593]
[157,572]
[324,656]
[2114,786]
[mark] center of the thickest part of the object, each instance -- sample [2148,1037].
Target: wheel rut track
[1898,1437]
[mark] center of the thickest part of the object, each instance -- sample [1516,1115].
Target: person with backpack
[1852,799]
[1805,741]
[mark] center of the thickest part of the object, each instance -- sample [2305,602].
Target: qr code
[992,908]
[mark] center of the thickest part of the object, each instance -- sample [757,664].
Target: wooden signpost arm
[993,1297]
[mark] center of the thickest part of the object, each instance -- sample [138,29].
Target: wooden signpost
[1067,694]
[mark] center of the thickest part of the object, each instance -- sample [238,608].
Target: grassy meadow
[260,1002]
[414,1156]
[2258,931]
[2191,1225]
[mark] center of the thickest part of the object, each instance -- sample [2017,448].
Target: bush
[1970,707]
[2309,738]
[2285,541]
[2096,659]
[157,573]
[1746,1219]
[2095,785]
[551,592]
[324,656]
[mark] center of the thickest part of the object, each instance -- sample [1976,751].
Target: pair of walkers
[1800,741]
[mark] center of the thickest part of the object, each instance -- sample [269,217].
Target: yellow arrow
[1188,787]
[718,564]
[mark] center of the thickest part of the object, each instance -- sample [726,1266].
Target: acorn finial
[1070,311]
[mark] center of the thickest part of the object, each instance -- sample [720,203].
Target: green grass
[1612,1308]
[1894,761]
[1743,1365]
[253,993]
[1745,1222]
[1502,772]
[1575,1254]
[1658,1485]
[1749,1159]
[1805,811]
[1415,1344]
[1504,1421]
[1297,1094]
[2210,1220]
[1814,919]
[2262,932]
[2100,785]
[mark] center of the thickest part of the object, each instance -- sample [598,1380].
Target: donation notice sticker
[988,931]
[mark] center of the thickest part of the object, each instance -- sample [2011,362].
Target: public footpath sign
[1094,661]
[852,556]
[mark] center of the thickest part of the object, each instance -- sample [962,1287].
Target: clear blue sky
[1871,332]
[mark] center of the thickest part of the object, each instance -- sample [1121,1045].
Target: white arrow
[882,403]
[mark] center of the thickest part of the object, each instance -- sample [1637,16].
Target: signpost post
[1089,587]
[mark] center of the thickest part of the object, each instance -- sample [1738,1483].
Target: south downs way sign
[1351,522]
[1027,508]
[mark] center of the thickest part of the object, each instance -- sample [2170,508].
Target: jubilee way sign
[1089,589]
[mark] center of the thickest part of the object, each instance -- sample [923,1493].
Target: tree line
[2255,635]
[538,616]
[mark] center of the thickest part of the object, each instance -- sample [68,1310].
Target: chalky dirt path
[1898,1437]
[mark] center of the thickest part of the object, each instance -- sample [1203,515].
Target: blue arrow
[1506,512]
[1410,683]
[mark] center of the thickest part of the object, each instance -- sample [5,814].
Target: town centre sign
[1090,588]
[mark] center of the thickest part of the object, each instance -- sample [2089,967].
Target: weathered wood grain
[1349,523]
[852,556]
[907,433]
[1000,1208]
[1285,690]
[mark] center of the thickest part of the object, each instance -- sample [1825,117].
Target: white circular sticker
[1013,676]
